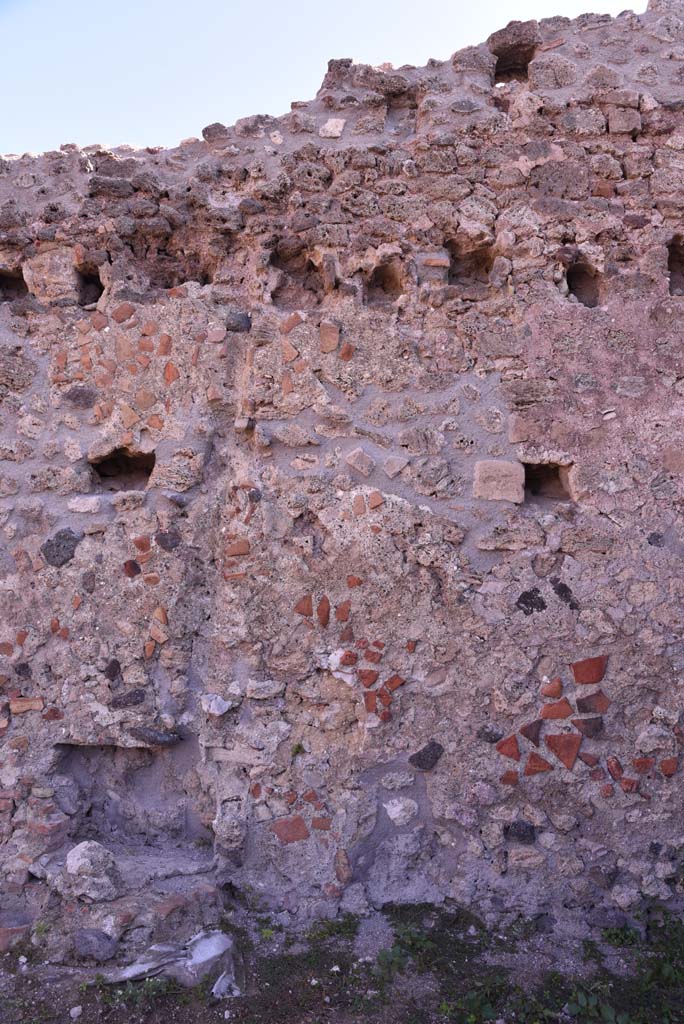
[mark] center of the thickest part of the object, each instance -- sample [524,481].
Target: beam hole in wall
[547,480]
[512,64]
[12,285]
[300,283]
[469,271]
[675,265]
[584,283]
[385,284]
[123,470]
[90,287]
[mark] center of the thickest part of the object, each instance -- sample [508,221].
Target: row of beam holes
[89,286]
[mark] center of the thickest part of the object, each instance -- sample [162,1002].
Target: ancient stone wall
[341,484]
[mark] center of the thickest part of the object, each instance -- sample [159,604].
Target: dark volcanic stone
[237,322]
[489,733]
[94,944]
[154,737]
[168,540]
[427,757]
[520,832]
[128,700]
[113,669]
[531,601]
[60,549]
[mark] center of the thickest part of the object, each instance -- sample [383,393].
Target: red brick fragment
[643,764]
[509,778]
[255,790]
[305,606]
[238,548]
[342,611]
[589,759]
[370,701]
[385,716]
[553,689]
[367,676]
[323,824]
[394,682]
[532,731]
[21,637]
[590,670]
[565,746]
[323,611]
[509,748]
[561,709]
[607,790]
[142,543]
[346,352]
[131,568]
[6,648]
[171,373]
[123,312]
[597,775]
[384,697]
[668,766]
[311,796]
[615,769]
[629,785]
[349,658]
[536,764]
[375,657]
[290,830]
[354,581]
[346,635]
[411,646]
[52,715]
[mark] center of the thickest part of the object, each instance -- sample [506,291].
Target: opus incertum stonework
[341,499]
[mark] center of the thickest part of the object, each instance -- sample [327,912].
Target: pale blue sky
[152,72]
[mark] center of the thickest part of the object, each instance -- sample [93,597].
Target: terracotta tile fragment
[305,606]
[554,688]
[615,769]
[594,703]
[171,373]
[565,746]
[370,700]
[290,830]
[536,764]
[367,676]
[561,709]
[590,670]
[394,682]
[323,611]
[668,766]
[532,731]
[509,778]
[354,581]
[643,764]
[509,748]
[629,785]
[342,611]
[238,548]
[589,759]
[590,727]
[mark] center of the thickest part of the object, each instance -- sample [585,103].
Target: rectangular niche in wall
[547,480]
